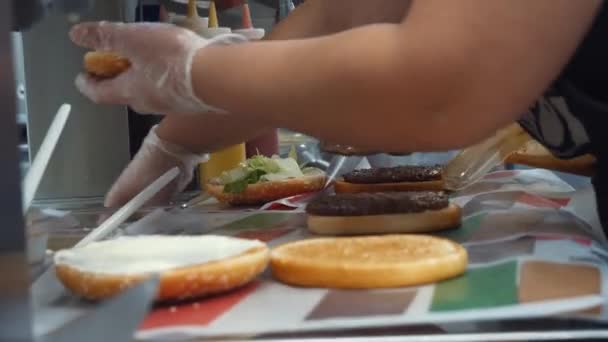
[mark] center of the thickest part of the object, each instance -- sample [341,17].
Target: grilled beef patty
[361,204]
[408,173]
[347,150]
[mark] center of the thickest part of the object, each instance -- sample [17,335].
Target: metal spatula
[472,163]
[32,179]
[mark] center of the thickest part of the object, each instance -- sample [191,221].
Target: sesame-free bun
[268,191]
[417,222]
[240,262]
[368,262]
[397,178]
[105,64]
[533,154]
[342,186]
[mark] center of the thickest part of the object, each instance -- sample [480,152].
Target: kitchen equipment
[464,169]
[472,163]
[114,221]
[36,171]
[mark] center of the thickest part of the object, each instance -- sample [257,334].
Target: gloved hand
[161,55]
[154,158]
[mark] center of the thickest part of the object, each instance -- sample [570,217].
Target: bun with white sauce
[188,266]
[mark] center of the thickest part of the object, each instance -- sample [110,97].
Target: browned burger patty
[408,173]
[362,204]
[347,150]
[105,64]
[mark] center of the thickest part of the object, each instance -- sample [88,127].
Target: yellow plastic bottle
[221,161]
[213,22]
[229,157]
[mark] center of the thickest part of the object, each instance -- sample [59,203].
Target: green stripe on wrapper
[466,230]
[478,288]
[258,221]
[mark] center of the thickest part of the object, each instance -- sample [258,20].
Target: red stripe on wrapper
[580,240]
[561,201]
[201,312]
[543,202]
[500,174]
[278,206]
[263,235]
[289,203]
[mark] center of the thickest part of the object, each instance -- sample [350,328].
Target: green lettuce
[258,169]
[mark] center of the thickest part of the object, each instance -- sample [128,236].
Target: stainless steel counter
[14,295]
[94,146]
[87,213]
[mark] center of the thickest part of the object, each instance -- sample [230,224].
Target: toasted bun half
[368,262]
[265,192]
[421,222]
[105,64]
[341,186]
[177,284]
[535,155]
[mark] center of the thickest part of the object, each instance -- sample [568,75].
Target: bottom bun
[342,186]
[423,222]
[105,64]
[179,284]
[265,192]
[536,155]
[368,262]
[583,165]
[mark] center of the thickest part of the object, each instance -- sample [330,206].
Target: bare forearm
[311,19]
[289,84]
[444,78]
[209,132]
[317,18]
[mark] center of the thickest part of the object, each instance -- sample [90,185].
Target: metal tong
[468,166]
[473,163]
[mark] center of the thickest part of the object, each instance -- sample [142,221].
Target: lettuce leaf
[236,187]
[241,185]
[293,153]
[268,165]
[259,169]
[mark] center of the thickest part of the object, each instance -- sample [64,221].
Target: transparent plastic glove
[154,158]
[159,80]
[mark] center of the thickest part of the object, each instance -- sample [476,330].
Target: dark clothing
[570,118]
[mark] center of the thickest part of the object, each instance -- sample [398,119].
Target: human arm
[449,65]
[313,18]
[418,85]
[209,132]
